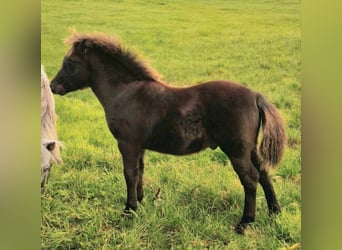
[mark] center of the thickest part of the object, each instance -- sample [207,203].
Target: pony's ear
[50,146]
[82,47]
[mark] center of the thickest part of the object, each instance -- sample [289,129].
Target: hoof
[275,209]
[129,213]
[240,229]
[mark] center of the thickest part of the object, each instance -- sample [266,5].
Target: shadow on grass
[219,157]
[201,200]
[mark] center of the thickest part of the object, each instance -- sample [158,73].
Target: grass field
[254,42]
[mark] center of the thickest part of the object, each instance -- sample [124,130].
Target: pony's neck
[109,80]
[122,68]
[109,71]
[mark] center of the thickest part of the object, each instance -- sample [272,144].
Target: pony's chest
[122,127]
[128,124]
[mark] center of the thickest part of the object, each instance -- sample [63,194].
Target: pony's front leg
[130,156]
[140,190]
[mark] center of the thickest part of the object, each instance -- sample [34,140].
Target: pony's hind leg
[266,183]
[249,178]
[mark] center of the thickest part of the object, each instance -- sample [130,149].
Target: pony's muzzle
[57,88]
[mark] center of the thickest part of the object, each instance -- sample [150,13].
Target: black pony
[143,113]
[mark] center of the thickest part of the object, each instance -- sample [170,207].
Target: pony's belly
[177,146]
[176,151]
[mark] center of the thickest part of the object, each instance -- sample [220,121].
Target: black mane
[112,48]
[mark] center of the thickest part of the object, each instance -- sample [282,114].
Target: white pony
[50,146]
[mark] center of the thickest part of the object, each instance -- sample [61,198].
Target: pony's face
[73,75]
[46,160]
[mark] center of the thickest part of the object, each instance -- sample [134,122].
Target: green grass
[254,42]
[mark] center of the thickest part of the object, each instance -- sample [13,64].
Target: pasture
[256,43]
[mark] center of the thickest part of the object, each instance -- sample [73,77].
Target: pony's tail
[274,137]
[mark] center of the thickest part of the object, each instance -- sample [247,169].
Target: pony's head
[95,54]
[50,146]
[75,72]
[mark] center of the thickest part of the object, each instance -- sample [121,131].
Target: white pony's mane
[48,120]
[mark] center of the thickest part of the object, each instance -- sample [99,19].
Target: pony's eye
[70,67]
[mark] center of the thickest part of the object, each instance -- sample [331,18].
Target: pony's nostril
[60,90]
[57,89]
